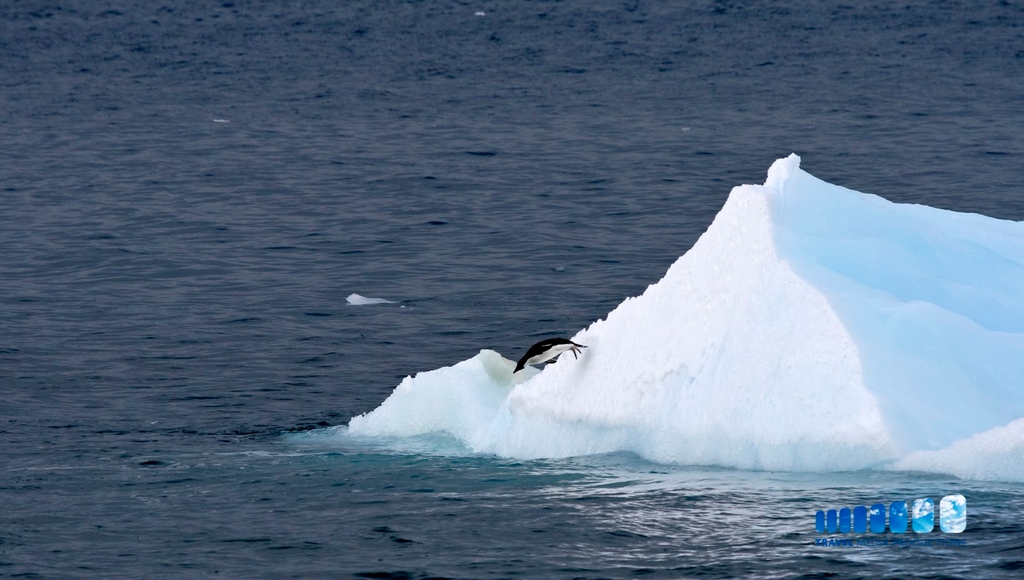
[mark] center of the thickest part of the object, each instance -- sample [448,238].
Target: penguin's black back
[539,348]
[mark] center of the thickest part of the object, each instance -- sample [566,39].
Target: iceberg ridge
[811,327]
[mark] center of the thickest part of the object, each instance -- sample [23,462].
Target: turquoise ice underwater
[810,328]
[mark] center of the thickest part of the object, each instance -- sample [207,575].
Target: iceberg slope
[810,328]
[934,300]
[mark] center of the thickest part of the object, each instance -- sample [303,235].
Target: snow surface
[812,327]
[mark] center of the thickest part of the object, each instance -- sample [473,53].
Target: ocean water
[189,191]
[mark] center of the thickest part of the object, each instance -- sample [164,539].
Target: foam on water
[811,327]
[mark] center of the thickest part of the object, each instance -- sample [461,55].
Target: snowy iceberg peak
[730,359]
[811,327]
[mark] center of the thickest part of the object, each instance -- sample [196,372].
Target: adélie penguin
[547,350]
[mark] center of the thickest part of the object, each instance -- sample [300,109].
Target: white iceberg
[812,327]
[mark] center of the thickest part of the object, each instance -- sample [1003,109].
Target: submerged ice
[811,327]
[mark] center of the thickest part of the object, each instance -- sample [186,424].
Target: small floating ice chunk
[357,300]
[480,14]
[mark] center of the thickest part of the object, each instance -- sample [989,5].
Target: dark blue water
[189,191]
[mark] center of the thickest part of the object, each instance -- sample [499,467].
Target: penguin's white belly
[548,354]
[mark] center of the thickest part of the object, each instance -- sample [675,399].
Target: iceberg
[810,328]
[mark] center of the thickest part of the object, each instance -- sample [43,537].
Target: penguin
[546,351]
